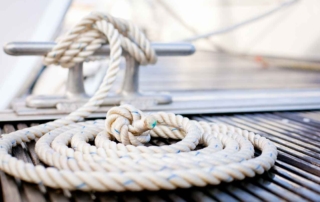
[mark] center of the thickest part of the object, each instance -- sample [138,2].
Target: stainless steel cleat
[75,93]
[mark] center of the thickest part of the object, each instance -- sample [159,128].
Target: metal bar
[75,85]
[41,48]
[131,81]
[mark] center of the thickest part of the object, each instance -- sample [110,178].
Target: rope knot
[129,125]
[95,30]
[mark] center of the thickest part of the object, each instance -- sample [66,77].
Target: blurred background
[247,44]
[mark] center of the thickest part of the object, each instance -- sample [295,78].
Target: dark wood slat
[107,197]
[259,192]
[306,193]
[278,190]
[55,195]
[9,187]
[284,182]
[297,179]
[221,195]
[201,197]
[10,190]
[31,147]
[154,198]
[306,161]
[261,129]
[241,194]
[176,197]
[267,123]
[80,196]
[293,126]
[299,163]
[299,118]
[313,115]
[31,191]
[299,172]
[281,181]
[34,158]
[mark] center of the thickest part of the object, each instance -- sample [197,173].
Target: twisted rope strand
[128,165]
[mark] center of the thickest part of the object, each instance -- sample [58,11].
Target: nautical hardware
[128,165]
[75,92]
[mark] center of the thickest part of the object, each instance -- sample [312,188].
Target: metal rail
[42,48]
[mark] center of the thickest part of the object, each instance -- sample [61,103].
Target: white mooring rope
[110,166]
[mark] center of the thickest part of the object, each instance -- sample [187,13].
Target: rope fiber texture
[74,164]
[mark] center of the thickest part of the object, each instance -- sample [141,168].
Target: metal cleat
[76,95]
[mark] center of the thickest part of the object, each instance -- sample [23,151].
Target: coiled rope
[128,165]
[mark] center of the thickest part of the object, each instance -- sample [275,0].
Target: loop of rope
[128,124]
[74,164]
[90,33]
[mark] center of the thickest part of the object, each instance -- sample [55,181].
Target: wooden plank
[31,149]
[259,192]
[9,187]
[80,196]
[220,195]
[55,195]
[10,190]
[155,198]
[30,191]
[175,197]
[107,197]
[34,158]
[201,196]
[241,194]
[278,190]
[249,189]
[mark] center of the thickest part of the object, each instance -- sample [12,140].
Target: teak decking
[295,177]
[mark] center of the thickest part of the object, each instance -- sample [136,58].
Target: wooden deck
[296,176]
